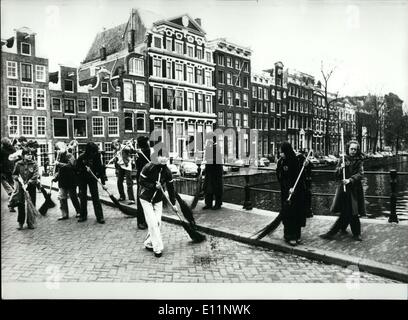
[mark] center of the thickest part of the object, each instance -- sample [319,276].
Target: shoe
[121,199]
[78,215]
[207,207]
[326,236]
[344,232]
[82,219]
[357,238]
[157,254]
[101,221]
[131,202]
[299,241]
[63,218]
[20,227]
[11,209]
[30,227]
[142,226]
[293,243]
[148,248]
[216,208]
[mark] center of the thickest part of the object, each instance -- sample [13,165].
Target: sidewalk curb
[325,256]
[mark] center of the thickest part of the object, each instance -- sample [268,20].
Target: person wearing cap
[27,169]
[153,176]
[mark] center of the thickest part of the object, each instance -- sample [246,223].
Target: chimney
[198,20]
[102,52]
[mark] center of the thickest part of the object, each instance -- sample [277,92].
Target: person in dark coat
[123,169]
[213,181]
[349,204]
[142,152]
[6,166]
[294,213]
[67,183]
[90,160]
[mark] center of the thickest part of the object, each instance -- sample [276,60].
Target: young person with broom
[142,158]
[26,170]
[153,176]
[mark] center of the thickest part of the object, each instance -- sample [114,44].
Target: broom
[125,210]
[48,203]
[32,211]
[271,227]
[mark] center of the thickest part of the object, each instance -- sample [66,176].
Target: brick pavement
[89,252]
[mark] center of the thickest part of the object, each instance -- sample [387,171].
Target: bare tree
[374,104]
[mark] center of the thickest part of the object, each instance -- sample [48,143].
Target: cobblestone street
[114,252]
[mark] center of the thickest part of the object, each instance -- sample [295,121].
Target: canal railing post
[393,199]
[247,190]
[308,182]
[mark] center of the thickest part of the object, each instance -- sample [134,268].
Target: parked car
[314,160]
[188,169]
[330,159]
[237,164]
[378,155]
[264,162]
[174,170]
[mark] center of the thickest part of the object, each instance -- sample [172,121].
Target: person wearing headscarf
[142,158]
[90,161]
[294,213]
[349,204]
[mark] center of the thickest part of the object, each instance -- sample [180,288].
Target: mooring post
[393,199]
[247,190]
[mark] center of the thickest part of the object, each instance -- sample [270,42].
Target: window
[245,120]
[260,123]
[60,128]
[245,100]
[246,82]
[26,72]
[169,99]
[69,106]
[236,81]
[128,121]
[221,96]
[277,123]
[200,103]
[200,53]
[40,73]
[220,118]
[27,125]
[157,98]
[272,123]
[114,104]
[229,98]
[221,76]
[283,126]
[254,92]
[179,48]
[208,104]
[40,98]
[82,106]
[237,64]
[157,42]
[190,74]
[179,100]
[105,104]
[278,108]
[12,97]
[27,98]
[12,69]
[13,125]
[136,66]
[229,79]
[79,126]
[25,48]
[141,121]
[169,69]
[260,93]
[190,101]
[265,124]
[237,120]
[237,99]
[278,94]
[199,73]
[56,104]
[190,51]
[179,72]
[69,85]
[208,78]
[245,68]
[229,119]
[220,60]
[127,91]
[229,62]
[265,94]
[104,87]
[95,103]
[97,127]
[113,126]
[157,67]
[272,107]
[208,56]
[169,44]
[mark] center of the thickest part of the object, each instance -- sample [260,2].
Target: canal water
[373,184]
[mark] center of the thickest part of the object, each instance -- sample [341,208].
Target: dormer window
[157,42]
[68,85]
[104,87]
[26,48]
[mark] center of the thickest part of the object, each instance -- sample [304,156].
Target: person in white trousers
[153,176]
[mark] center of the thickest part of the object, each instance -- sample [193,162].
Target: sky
[366,42]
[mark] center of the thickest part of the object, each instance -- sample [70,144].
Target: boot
[64,209]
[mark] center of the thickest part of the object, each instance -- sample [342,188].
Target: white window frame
[207,78]
[103,127]
[117,127]
[21,48]
[144,120]
[12,65]
[65,112]
[167,42]
[125,97]
[179,76]
[107,87]
[245,121]
[52,104]
[136,66]
[93,99]
[45,126]
[53,125]
[8,97]
[154,41]
[161,98]
[17,125]
[114,106]
[208,99]
[200,56]
[245,100]
[228,62]
[220,60]
[21,72]
[208,56]
[190,101]
[140,98]
[133,120]
[189,46]
[222,123]
[157,69]
[178,42]
[72,85]
[229,78]
[45,99]
[32,126]
[37,70]
[73,128]
[78,106]
[109,106]
[32,98]
[169,69]
[190,75]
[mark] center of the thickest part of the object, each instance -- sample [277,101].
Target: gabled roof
[182,21]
